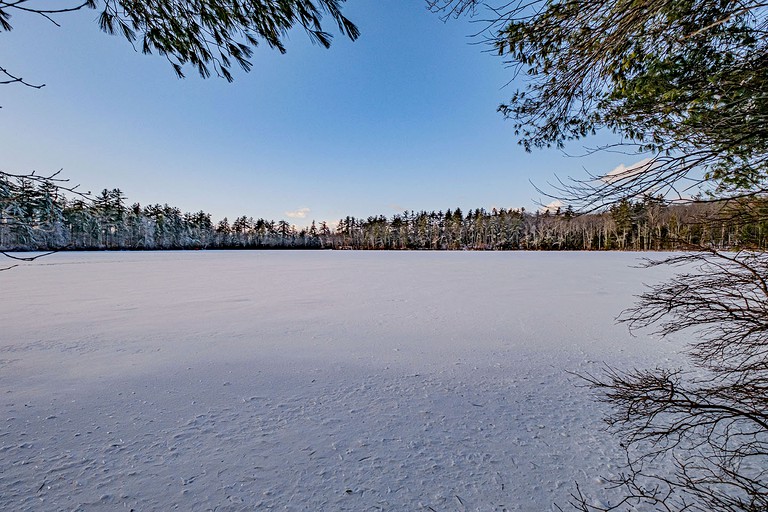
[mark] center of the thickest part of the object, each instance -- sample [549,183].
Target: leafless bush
[696,438]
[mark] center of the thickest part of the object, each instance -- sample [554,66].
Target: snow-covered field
[310,380]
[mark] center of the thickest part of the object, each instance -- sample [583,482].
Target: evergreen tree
[209,35]
[686,83]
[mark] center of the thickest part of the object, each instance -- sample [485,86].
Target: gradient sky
[403,118]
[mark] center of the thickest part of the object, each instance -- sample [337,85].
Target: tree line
[684,81]
[35,215]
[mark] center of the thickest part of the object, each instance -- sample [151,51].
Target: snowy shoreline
[244,380]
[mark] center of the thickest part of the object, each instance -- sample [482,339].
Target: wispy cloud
[551,207]
[301,213]
[623,172]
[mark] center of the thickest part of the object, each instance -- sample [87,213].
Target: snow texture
[310,380]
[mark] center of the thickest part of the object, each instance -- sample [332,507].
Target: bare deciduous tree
[684,84]
[696,439]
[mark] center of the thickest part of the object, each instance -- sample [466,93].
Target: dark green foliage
[209,35]
[685,81]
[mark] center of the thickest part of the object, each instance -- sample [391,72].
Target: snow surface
[310,380]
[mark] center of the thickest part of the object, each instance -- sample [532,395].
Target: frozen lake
[310,380]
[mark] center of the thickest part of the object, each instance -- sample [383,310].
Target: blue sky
[403,118]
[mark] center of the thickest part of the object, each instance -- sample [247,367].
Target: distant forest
[35,216]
